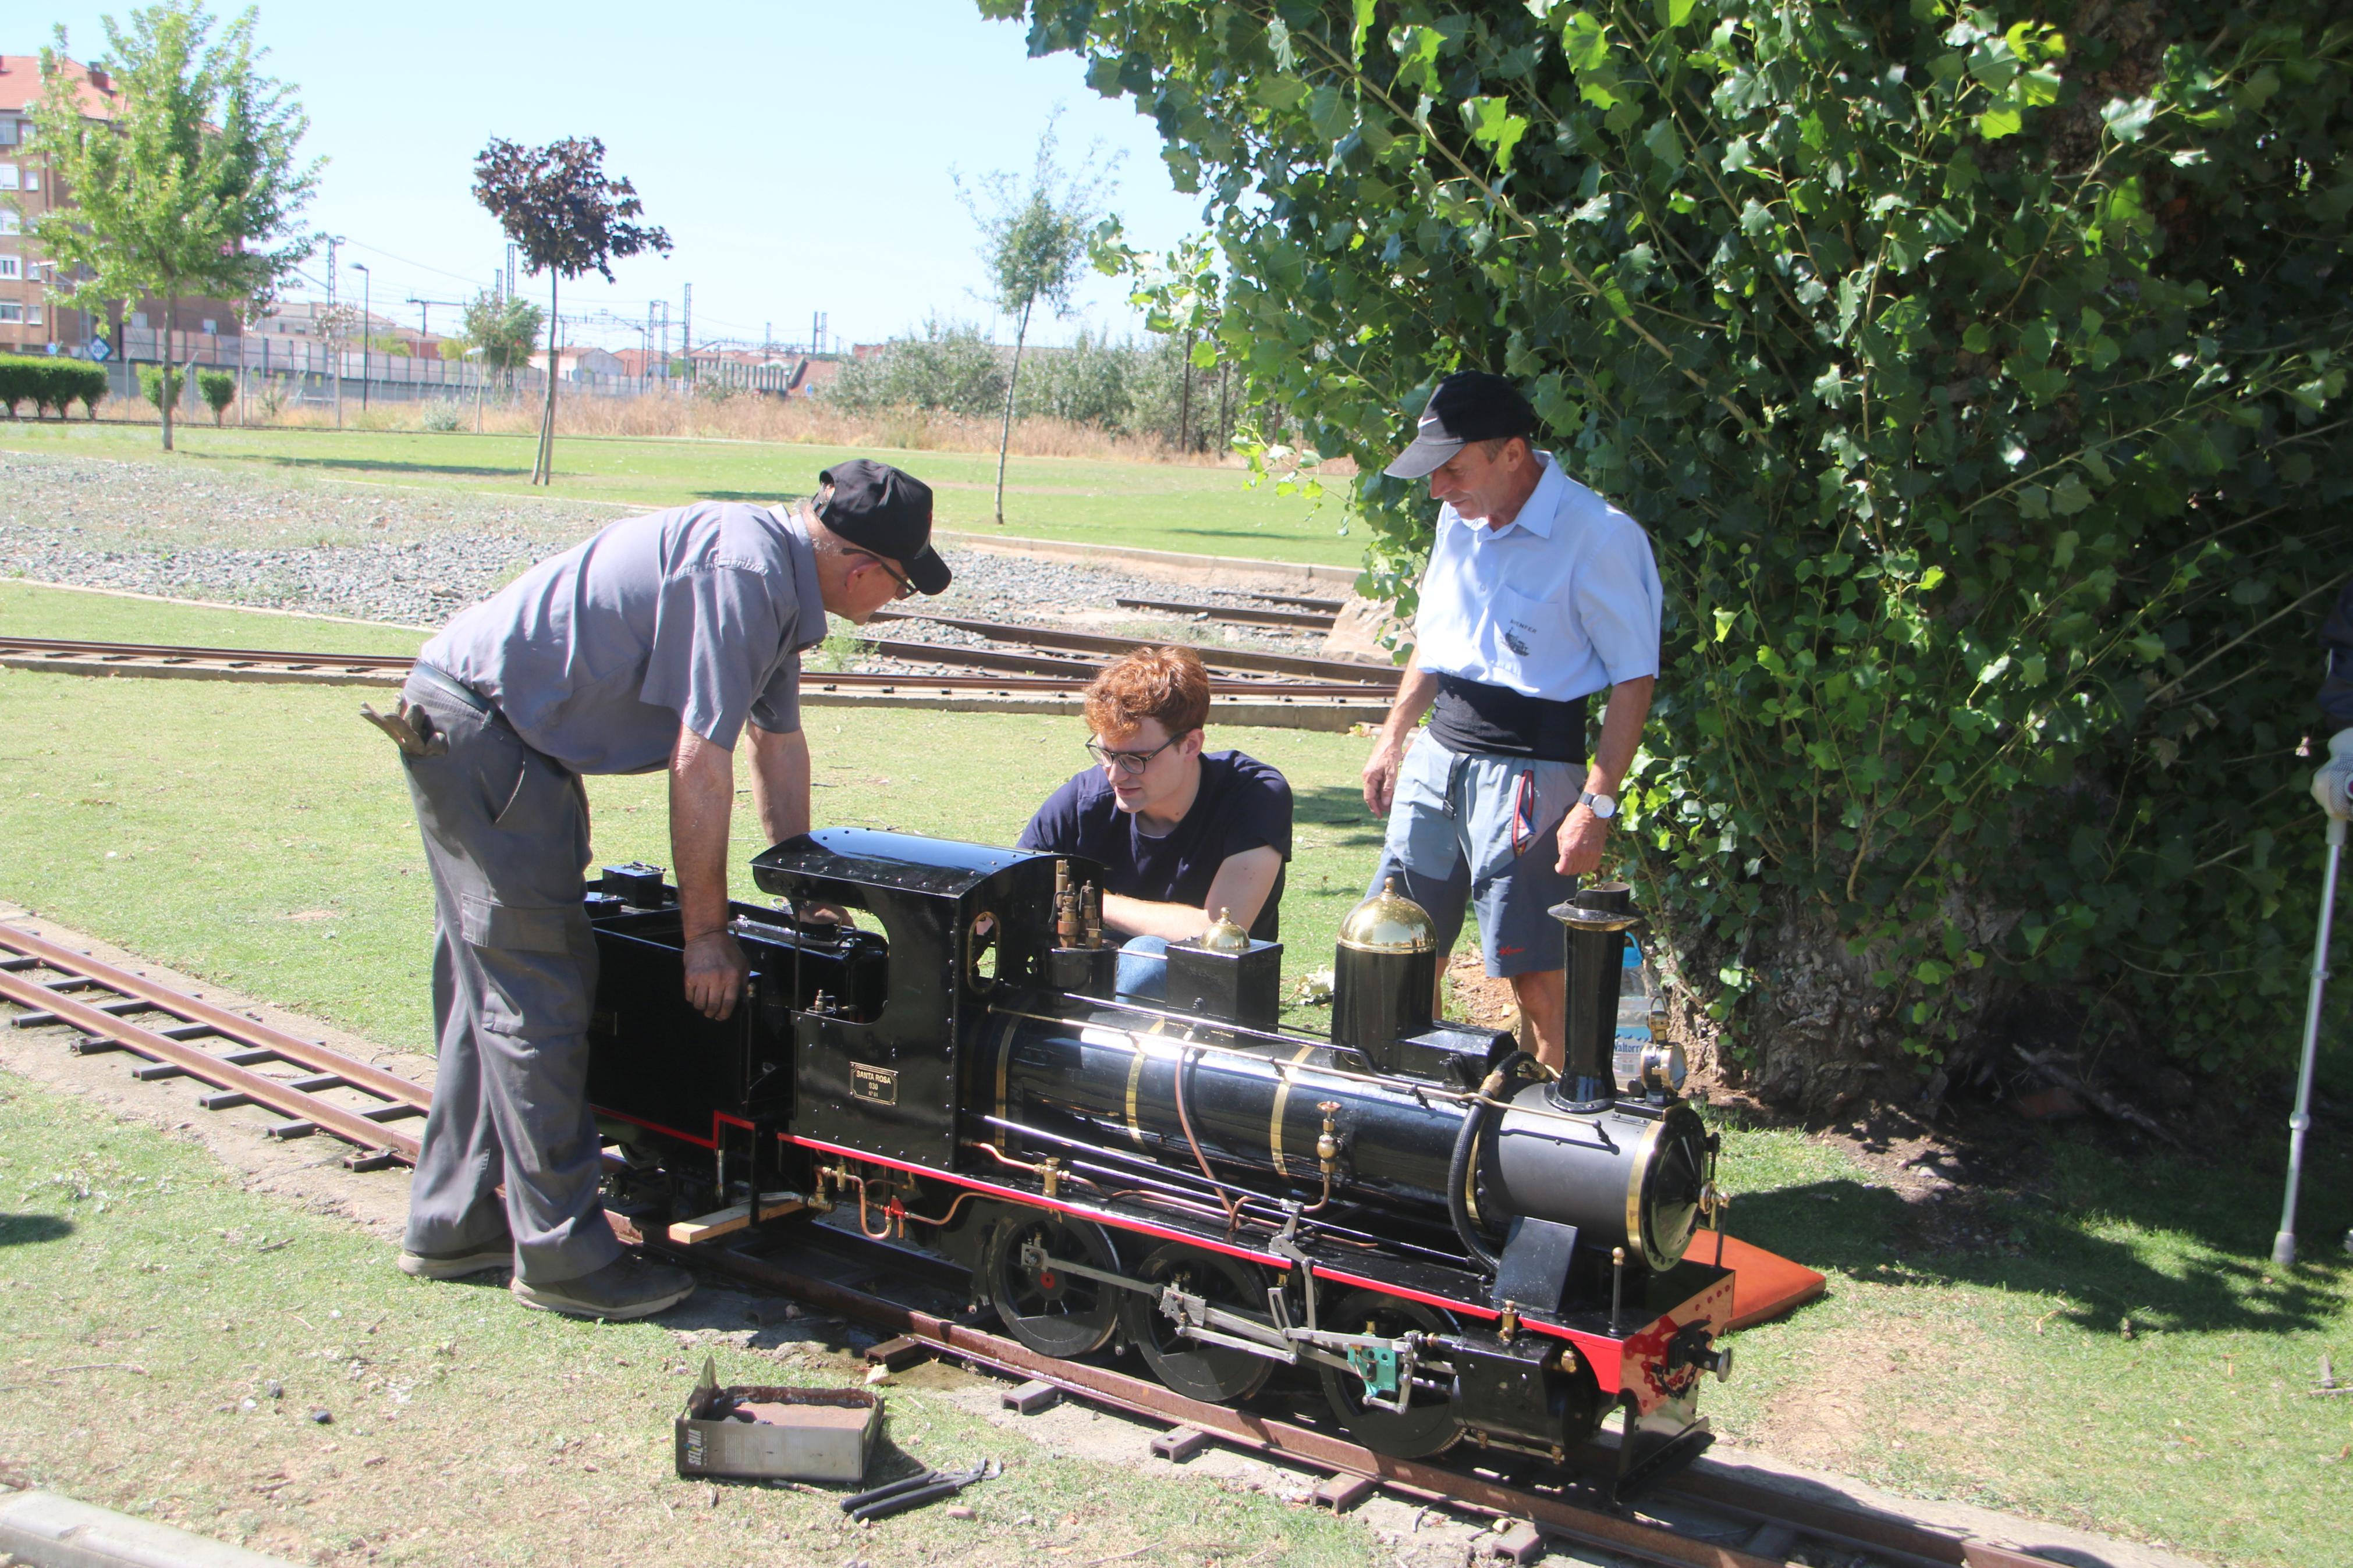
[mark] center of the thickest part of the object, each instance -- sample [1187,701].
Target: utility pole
[686,332]
[335,337]
[511,272]
[367,330]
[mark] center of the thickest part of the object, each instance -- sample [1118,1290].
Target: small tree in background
[218,389]
[1032,239]
[191,190]
[556,203]
[503,327]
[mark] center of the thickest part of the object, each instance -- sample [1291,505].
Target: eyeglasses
[905,588]
[1130,763]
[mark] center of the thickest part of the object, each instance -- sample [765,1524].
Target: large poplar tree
[1980,373]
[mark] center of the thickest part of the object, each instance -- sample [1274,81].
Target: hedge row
[47,383]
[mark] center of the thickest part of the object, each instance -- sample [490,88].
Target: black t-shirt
[1469,716]
[1242,805]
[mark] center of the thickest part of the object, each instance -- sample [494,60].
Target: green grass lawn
[31,610]
[1200,510]
[192,822]
[148,1307]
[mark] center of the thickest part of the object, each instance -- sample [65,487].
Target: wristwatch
[1604,806]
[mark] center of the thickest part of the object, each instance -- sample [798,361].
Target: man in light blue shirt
[1538,595]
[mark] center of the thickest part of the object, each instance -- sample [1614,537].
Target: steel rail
[195,1009]
[76,657]
[351,1126]
[1098,642]
[1240,614]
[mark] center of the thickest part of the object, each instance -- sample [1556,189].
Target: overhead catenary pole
[368,334]
[335,333]
[685,331]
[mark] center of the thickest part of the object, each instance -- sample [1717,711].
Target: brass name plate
[879,1085]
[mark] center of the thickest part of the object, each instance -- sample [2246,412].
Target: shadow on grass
[1338,805]
[23,1229]
[2168,1241]
[390,466]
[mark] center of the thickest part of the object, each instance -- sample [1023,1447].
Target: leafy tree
[503,328]
[1979,372]
[192,190]
[161,386]
[556,203]
[1033,239]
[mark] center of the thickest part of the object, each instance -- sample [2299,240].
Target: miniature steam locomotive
[1455,1242]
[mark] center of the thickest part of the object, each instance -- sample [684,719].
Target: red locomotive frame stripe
[1601,1352]
[1038,1200]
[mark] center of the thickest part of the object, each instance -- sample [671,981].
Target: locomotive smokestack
[1597,919]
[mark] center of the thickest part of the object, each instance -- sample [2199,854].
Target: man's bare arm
[702,799]
[1415,692]
[1241,887]
[780,781]
[1582,834]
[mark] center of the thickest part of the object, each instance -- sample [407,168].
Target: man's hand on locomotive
[716,971]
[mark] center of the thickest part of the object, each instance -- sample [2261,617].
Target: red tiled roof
[20,84]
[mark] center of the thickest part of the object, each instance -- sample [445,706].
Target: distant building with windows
[30,321]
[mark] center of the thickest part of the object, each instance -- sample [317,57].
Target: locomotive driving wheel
[1428,1424]
[1212,1374]
[1051,1311]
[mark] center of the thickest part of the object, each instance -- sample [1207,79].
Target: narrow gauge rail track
[1699,1520]
[1038,672]
[1246,660]
[1241,614]
[239,1057]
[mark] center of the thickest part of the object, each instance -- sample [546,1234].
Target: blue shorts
[1472,830]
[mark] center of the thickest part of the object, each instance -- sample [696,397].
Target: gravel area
[416,556]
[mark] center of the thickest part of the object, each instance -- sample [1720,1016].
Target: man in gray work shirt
[658,642]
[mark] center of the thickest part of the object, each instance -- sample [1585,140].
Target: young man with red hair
[1183,834]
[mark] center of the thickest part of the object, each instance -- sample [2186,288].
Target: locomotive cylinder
[1384,975]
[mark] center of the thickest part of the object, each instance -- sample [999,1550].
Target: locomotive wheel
[1053,1314]
[1428,1424]
[1211,1374]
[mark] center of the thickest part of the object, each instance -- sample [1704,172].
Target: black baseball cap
[887,511]
[1469,405]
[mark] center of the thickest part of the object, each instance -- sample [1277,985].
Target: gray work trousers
[514,976]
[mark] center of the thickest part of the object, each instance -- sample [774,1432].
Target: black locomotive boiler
[1456,1243]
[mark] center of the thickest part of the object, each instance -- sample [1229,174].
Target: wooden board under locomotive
[1456,1243]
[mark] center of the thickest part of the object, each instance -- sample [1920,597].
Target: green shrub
[1982,387]
[160,383]
[952,366]
[47,382]
[218,389]
[443,415]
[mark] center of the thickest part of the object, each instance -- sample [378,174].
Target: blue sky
[800,154]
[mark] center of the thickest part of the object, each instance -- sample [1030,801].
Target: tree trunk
[1185,397]
[543,471]
[170,391]
[1005,435]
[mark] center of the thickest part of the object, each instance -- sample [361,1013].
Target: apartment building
[30,320]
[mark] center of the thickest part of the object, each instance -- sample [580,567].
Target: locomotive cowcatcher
[1456,1243]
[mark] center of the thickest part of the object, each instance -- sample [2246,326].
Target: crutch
[2284,1243]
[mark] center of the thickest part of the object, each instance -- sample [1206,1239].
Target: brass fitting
[1508,1325]
[1050,1171]
[1327,1145]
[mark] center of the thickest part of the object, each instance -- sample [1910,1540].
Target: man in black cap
[658,643]
[1538,595]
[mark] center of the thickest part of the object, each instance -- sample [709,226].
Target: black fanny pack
[1471,716]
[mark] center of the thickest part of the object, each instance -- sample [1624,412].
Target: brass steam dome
[1224,936]
[1389,921]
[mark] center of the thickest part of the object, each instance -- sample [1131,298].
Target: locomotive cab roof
[871,857]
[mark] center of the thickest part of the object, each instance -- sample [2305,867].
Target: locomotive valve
[1327,1146]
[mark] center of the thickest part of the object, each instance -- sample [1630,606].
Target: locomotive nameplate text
[879,1085]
